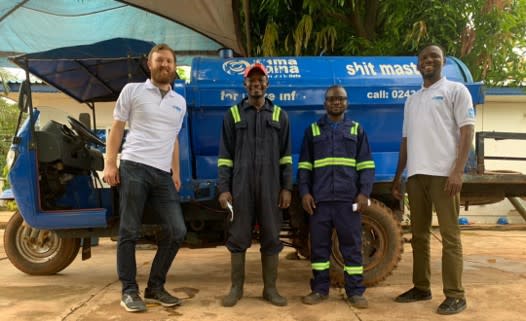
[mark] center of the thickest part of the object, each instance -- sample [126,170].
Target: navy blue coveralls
[335,166]
[254,164]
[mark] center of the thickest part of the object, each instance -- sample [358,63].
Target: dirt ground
[494,278]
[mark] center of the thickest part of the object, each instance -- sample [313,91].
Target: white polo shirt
[432,120]
[153,123]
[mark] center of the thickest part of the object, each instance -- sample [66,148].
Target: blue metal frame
[24,177]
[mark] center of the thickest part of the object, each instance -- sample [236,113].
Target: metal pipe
[516,202]
[479,141]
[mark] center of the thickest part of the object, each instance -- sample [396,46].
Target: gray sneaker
[161,297]
[132,302]
[358,301]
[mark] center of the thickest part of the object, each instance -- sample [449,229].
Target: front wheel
[382,246]
[37,252]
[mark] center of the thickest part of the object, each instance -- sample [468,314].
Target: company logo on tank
[276,67]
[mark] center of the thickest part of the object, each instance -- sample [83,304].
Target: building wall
[57,106]
[506,114]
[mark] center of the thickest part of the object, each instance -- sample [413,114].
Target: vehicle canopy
[90,73]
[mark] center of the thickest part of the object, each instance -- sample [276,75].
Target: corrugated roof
[17,75]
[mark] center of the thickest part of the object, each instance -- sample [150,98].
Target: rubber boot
[237,261]
[270,275]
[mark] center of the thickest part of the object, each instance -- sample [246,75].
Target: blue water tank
[377,88]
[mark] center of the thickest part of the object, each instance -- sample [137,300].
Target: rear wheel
[37,252]
[382,246]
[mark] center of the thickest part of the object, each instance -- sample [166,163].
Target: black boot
[237,261]
[270,275]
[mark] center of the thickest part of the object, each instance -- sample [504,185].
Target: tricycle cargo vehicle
[63,205]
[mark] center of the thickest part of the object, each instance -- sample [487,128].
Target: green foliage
[500,32]
[5,172]
[4,77]
[485,34]
[183,72]
[8,120]
[11,205]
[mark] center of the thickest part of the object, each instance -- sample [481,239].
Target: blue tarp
[38,25]
[91,73]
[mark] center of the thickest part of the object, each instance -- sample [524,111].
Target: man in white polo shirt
[436,138]
[149,172]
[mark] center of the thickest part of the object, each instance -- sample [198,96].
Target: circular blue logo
[235,67]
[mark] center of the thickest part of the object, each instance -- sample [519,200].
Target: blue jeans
[141,184]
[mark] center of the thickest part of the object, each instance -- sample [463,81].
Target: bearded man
[146,174]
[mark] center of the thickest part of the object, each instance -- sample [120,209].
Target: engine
[62,155]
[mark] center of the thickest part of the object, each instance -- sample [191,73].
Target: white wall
[57,106]
[506,114]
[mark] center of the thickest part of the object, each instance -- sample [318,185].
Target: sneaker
[132,302]
[452,306]
[358,301]
[413,295]
[313,298]
[161,297]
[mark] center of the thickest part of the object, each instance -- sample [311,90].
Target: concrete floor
[494,278]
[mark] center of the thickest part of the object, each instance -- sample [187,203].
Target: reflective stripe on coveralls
[320,266]
[285,160]
[225,162]
[353,270]
[237,118]
[336,161]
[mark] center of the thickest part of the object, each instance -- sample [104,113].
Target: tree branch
[371,11]
[356,21]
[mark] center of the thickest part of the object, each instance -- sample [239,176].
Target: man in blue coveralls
[335,170]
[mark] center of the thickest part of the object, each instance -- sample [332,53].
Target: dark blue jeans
[141,184]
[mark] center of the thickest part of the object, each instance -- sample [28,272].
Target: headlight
[10,158]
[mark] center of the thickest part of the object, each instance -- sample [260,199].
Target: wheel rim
[373,245]
[37,246]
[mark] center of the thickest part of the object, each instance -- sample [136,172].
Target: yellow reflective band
[275,114]
[315,129]
[305,165]
[285,160]
[335,161]
[321,266]
[365,165]
[225,162]
[354,129]
[353,270]
[235,114]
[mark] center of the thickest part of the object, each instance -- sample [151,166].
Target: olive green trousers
[425,193]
